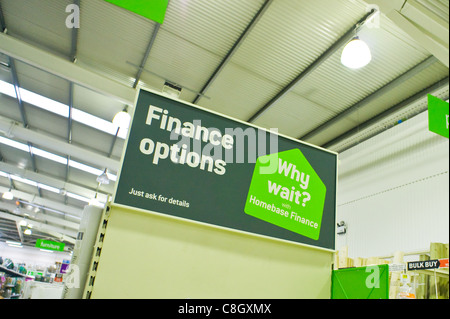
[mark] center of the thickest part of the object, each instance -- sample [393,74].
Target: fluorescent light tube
[19,146]
[7,89]
[44,103]
[63,110]
[49,188]
[55,158]
[50,156]
[94,121]
[78,197]
[13,242]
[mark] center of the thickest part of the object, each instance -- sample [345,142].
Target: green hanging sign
[438,112]
[151,9]
[49,245]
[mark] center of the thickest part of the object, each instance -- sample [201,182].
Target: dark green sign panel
[151,9]
[190,163]
[438,112]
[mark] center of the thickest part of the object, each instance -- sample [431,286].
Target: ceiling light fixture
[356,54]
[122,119]
[8,195]
[27,232]
[103,178]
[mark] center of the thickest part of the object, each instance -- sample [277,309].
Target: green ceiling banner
[438,112]
[151,9]
[49,245]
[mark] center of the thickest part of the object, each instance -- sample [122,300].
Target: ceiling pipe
[13,129]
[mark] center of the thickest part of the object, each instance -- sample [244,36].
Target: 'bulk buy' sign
[190,163]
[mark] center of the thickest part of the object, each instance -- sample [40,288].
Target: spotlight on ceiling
[122,119]
[8,195]
[103,178]
[356,54]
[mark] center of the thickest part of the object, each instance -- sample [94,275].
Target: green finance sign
[293,197]
[438,113]
[190,163]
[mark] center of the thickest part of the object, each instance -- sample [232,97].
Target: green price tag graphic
[151,9]
[292,197]
[438,113]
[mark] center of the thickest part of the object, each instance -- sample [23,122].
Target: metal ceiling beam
[65,69]
[388,87]
[15,79]
[234,49]
[69,127]
[350,34]
[2,20]
[73,58]
[74,40]
[57,232]
[146,55]
[16,84]
[382,116]
[19,231]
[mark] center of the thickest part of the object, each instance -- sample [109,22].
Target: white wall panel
[393,191]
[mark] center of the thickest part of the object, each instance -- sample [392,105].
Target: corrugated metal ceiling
[287,38]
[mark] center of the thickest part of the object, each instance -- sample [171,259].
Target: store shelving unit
[12,274]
